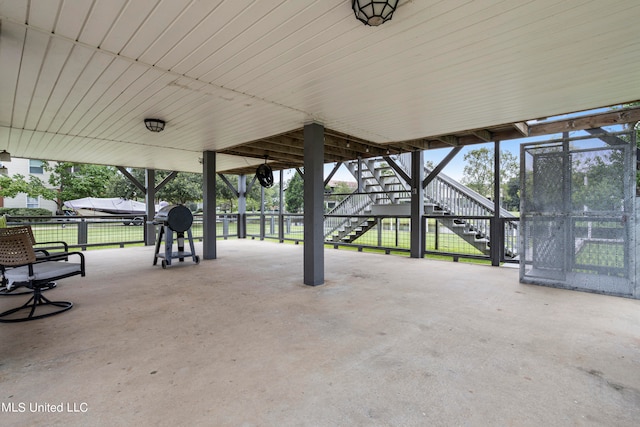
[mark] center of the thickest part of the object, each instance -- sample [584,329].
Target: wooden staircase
[382,187]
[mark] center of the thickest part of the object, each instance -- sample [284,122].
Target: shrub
[24,212]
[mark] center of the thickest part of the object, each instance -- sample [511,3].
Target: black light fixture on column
[374,12]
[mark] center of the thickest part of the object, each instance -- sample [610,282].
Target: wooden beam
[274,148]
[483,134]
[167,179]
[362,149]
[333,172]
[454,151]
[449,140]
[522,127]
[133,179]
[616,117]
[334,151]
[259,153]
[229,185]
[605,137]
[398,169]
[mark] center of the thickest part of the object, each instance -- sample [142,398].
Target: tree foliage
[597,181]
[77,180]
[294,196]
[183,188]
[512,194]
[34,187]
[478,170]
[186,188]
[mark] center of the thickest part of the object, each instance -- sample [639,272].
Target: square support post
[281,209]
[496,231]
[417,204]
[150,201]
[242,207]
[359,177]
[209,205]
[313,204]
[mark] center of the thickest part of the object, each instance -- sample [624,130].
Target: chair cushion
[42,271]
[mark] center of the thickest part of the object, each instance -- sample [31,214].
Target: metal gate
[577,212]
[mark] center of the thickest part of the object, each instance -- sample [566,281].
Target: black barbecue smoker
[174,219]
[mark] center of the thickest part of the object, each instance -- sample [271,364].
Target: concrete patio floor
[239,341]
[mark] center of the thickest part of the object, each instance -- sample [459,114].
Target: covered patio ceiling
[77,79]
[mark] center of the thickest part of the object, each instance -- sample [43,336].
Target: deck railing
[108,231]
[389,234]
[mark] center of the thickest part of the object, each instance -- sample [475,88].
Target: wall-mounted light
[154,125]
[4,171]
[374,12]
[5,156]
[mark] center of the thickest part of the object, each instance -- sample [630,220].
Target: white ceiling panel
[100,20]
[42,14]
[160,19]
[173,32]
[72,17]
[215,30]
[127,24]
[77,78]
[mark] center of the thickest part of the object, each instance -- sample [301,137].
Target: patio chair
[41,249]
[20,267]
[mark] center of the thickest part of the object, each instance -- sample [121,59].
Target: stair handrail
[453,198]
[353,204]
[458,199]
[458,187]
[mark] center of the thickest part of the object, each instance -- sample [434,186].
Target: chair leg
[37,300]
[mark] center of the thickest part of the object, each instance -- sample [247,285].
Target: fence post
[225,227]
[425,227]
[380,232]
[397,226]
[83,234]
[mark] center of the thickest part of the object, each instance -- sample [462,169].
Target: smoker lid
[177,217]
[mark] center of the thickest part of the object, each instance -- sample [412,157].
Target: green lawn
[602,255]
[104,235]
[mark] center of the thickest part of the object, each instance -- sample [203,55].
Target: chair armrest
[53,245]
